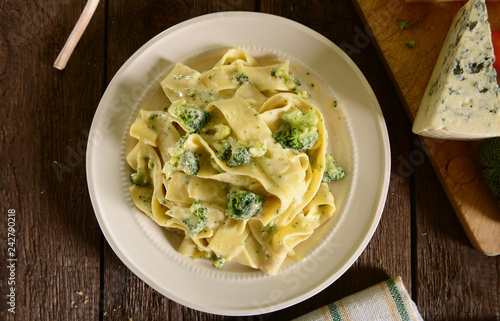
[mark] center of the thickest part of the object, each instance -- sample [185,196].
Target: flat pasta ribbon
[183,177]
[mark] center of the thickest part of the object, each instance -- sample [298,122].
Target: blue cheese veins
[462,99]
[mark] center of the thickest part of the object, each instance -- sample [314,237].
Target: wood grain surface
[456,162]
[65,269]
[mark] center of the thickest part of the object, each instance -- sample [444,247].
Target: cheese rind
[462,99]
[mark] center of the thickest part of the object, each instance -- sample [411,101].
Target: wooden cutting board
[455,162]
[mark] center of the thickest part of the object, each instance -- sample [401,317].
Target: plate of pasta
[238,163]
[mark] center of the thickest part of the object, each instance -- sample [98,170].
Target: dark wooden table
[65,269]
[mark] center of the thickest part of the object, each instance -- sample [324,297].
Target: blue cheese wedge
[462,100]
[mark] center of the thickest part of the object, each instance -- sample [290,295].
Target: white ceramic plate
[358,140]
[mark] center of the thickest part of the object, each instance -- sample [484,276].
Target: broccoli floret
[298,131]
[140,178]
[280,72]
[180,143]
[239,77]
[177,149]
[410,44]
[243,204]
[271,228]
[235,152]
[196,218]
[301,93]
[192,116]
[402,24]
[217,262]
[239,156]
[188,161]
[489,156]
[489,152]
[492,178]
[333,172]
[223,149]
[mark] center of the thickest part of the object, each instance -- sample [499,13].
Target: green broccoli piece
[489,152]
[176,150]
[489,156]
[196,219]
[217,262]
[235,152]
[243,204]
[410,44]
[239,156]
[223,149]
[192,116]
[333,172]
[239,77]
[402,24]
[298,131]
[280,72]
[492,179]
[271,228]
[291,82]
[140,178]
[188,161]
[301,93]
[180,143]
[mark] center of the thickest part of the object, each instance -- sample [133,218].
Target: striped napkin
[385,301]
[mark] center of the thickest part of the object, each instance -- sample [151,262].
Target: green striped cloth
[385,301]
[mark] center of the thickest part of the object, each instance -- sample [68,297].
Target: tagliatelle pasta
[213,167]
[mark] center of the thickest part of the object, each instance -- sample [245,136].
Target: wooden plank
[453,281]
[435,1]
[410,69]
[57,236]
[125,295]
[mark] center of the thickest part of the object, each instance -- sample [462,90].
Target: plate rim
[382,195]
